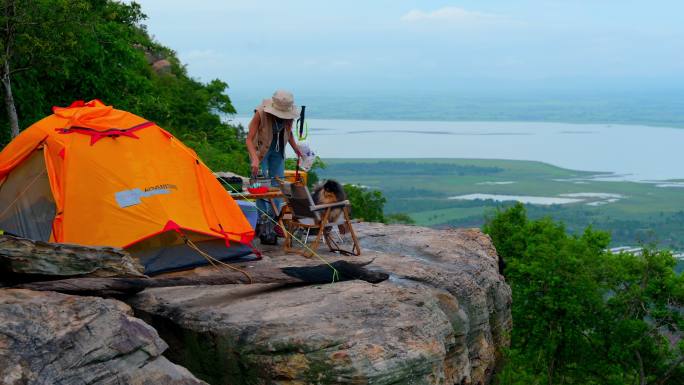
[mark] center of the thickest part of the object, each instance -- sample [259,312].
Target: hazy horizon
[526,48]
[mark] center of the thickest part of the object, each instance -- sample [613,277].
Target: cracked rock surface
[441,319]
[50,338]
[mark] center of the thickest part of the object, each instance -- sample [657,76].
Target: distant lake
[630,152]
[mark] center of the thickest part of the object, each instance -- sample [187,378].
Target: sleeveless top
[277,144]
[264,136]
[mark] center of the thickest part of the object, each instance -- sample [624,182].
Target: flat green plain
[644,213]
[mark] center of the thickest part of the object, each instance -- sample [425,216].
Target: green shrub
[367,205]
[582,315]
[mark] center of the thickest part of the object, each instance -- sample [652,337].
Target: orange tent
[94,175]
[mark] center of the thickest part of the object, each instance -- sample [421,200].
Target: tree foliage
[582,315]
[311,176]
[366,204]
[66,50]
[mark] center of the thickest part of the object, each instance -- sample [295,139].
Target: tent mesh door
[27,207]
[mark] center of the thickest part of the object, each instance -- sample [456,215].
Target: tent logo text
[161,187]
[134,196]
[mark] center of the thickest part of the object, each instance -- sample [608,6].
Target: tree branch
[18,70]
[669,371]
[642,377]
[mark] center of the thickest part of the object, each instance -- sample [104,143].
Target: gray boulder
[442,318]
[50,338]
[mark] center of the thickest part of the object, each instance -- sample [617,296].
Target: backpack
[266,231]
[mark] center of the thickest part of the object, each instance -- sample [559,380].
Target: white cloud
[452,15]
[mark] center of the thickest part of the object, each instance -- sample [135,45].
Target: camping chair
[312,218]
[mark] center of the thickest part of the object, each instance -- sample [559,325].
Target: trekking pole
[300,122]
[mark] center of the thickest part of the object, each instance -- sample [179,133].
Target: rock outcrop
[462,262]
[441,319]
[20,256]
[162,67]
[50,338]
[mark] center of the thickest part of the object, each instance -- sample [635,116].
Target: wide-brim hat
[281,105]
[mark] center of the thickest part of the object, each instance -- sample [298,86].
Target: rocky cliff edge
[442,318]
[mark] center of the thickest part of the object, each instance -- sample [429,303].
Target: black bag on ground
[266,231]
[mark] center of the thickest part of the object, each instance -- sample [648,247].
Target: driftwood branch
[319,274]
[106,271]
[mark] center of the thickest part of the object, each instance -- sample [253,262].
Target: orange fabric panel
[19,148]
[96,116]
[217,211]
[122,189]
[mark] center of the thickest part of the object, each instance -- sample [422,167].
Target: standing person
[269,131]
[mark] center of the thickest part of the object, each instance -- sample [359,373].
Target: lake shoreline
[621,152]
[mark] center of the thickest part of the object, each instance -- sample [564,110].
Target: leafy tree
[643,325]
[33,36]
[582,315]
[59,51]
[366,204]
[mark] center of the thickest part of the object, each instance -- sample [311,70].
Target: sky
[399,46]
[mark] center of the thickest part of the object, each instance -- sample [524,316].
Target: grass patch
[421,188]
